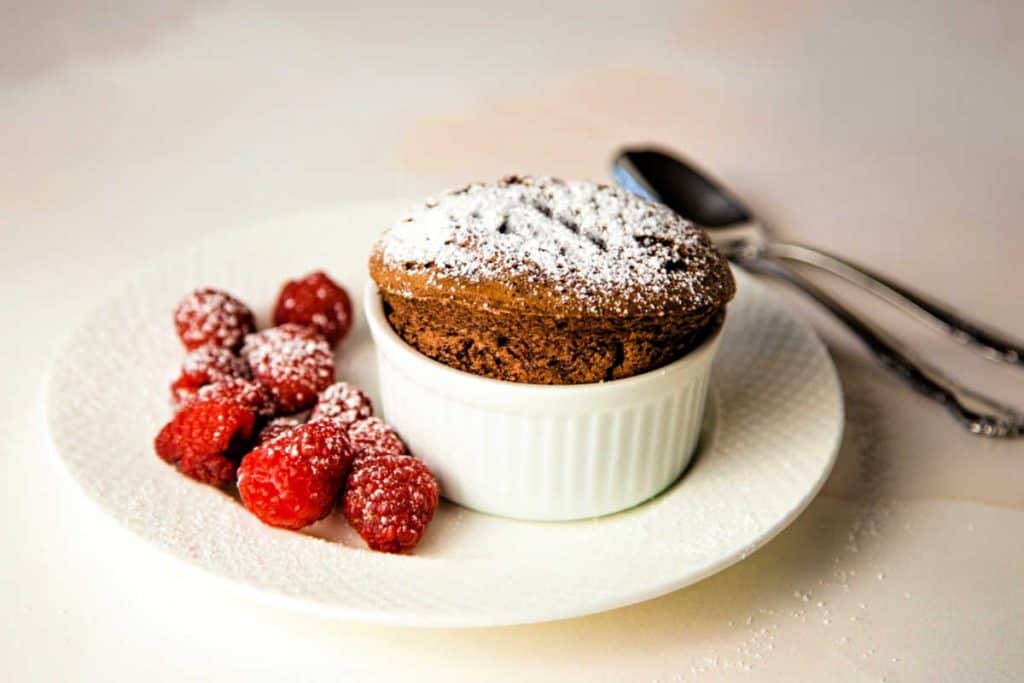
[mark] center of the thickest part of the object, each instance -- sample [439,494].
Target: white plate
[771,441]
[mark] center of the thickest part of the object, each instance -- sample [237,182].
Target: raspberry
[373,435]
[210,316]
[292,362]
[293,480]
[206,439]
[246,393]
[206,365]
[318,302]
[276,428]
[390,500]
[343,402]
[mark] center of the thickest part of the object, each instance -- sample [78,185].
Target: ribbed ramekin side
[545,464]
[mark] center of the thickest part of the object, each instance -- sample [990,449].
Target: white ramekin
[540,452]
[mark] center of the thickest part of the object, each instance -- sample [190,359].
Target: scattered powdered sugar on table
[591,243]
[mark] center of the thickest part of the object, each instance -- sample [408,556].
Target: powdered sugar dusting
[343,402]
[247,393]
[206,365]
[374,436]
[276,428]
[292,362]
[390,500]
[214,363]
[210,316]
[598,247]
[293,479]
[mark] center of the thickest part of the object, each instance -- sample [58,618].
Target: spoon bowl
[669,180]
[689,192]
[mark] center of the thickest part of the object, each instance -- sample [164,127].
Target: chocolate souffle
[544,281]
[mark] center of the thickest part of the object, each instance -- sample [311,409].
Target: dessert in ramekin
[545,346]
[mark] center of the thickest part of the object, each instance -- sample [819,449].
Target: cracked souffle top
[490,278]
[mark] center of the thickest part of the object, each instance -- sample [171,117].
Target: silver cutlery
[659,176]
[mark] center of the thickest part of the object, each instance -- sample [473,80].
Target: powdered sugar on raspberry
[276,428]
[252,395]
[390,500]
[206,365]
[293,362]
[293,480]
[216,362]
[599,247]
[318,302]
[323,457]
[343,402]
[374,436]
[210,316]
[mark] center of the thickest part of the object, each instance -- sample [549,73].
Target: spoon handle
[981,415]
[992,344]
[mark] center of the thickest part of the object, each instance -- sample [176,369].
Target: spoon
[660,177]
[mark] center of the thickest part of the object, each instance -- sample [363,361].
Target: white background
[891,134]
